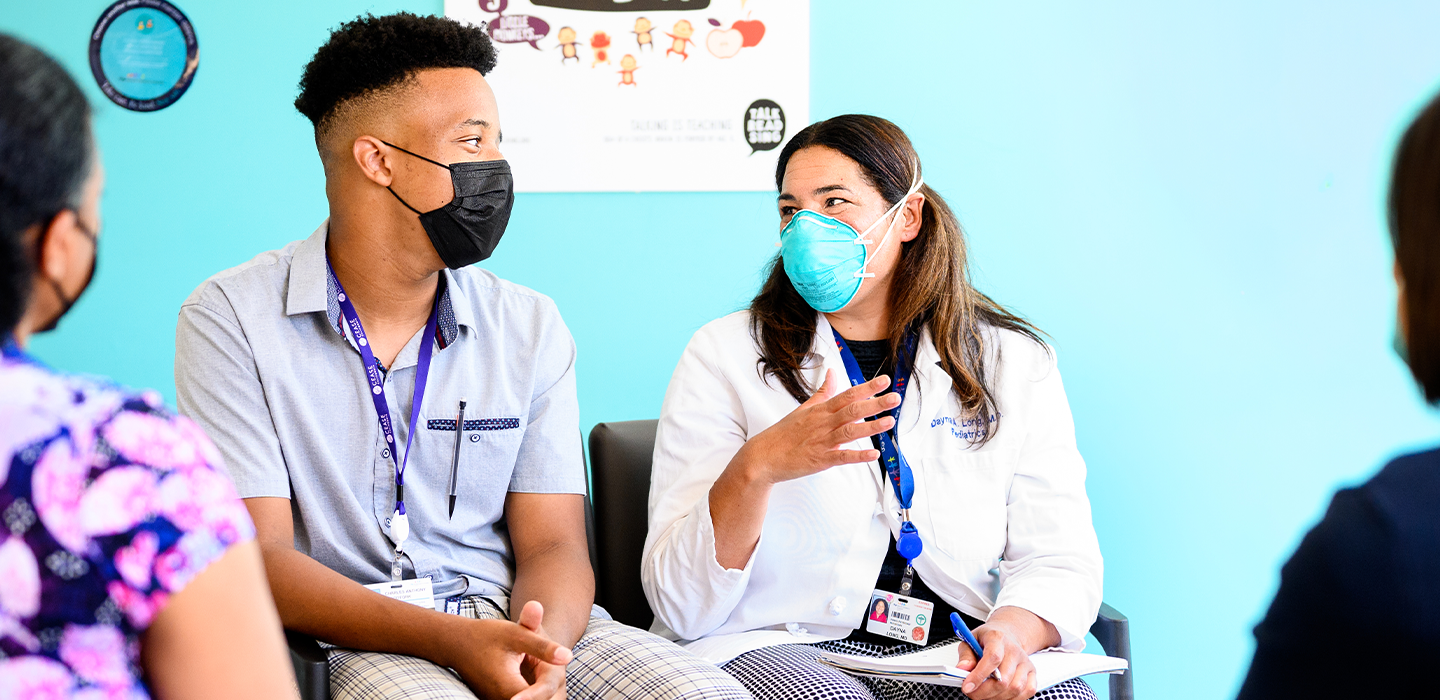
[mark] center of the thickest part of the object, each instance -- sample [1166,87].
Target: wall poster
[646,95]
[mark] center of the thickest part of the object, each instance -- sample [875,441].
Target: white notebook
[936,665]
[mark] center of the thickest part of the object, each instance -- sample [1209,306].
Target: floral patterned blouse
[110,505]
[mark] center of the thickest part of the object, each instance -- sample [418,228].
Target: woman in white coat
[782,507]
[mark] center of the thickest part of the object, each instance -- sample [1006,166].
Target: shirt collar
[455,307]
[306,291]
[312,289]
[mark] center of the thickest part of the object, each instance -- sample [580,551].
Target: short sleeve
[112,504]
[161,511]
[218,385]
[550,458]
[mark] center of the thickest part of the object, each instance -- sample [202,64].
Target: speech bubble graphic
[764,125]
[518,29]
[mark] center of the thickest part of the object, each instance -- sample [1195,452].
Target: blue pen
[969,637]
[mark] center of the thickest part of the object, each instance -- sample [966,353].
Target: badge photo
[879,614]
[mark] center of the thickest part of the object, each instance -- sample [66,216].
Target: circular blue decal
[143,54]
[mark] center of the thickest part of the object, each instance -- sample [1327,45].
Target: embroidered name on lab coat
[965,429]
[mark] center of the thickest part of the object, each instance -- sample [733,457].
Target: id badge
[897,617]
[416,591]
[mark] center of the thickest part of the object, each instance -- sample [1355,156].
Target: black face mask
[466,230]
[67,302]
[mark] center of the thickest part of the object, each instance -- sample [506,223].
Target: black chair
[621,454]
[311,664]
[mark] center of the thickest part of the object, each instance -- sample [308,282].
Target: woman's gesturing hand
[803,443]
[809,439]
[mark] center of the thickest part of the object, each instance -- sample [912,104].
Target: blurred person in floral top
[128,567]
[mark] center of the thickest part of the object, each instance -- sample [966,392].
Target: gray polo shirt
[263,364]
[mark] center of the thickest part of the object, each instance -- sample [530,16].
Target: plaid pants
[611,661]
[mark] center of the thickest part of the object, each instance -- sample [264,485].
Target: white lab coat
[1004,524]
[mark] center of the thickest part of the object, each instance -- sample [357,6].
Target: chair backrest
[620,457]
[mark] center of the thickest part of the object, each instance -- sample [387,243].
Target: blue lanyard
[10,350]
[377,383]
[897,469]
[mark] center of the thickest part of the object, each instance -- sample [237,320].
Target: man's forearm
[317,601]
[562,580]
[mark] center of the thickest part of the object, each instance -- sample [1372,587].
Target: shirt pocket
[960,503]
[489,446]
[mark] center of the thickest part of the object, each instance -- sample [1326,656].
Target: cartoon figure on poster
[690,115]
[627,70]
[566,37]
[681,37]
[600,42]
[878,610]
[643,39]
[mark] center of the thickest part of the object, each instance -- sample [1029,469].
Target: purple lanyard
[377,382]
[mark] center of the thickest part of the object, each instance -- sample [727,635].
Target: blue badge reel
[143,54]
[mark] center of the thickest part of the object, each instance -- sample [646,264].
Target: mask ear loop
[402,201]
[417,155]
[862,240]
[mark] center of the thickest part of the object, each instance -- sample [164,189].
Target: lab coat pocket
[960,503]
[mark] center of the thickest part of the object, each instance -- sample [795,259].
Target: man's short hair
[370,55]
[46,153]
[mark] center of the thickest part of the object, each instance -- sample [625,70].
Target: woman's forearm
[738,500]
[1033,632]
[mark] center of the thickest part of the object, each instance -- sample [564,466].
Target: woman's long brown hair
[930,286]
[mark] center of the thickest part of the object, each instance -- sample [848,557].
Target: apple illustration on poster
[725,43]
[752,29]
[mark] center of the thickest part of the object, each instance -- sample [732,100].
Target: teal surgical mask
[826,260]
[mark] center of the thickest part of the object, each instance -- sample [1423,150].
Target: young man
[391,414]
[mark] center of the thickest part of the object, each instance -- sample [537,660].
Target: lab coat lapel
[935,384]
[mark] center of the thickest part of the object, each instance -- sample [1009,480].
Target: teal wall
[1190,201]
